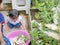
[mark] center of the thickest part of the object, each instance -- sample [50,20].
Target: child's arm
[23,25]
[1,37]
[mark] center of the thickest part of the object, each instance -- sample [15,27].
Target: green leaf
[34,32]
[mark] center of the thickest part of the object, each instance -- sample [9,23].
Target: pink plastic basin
[17,32]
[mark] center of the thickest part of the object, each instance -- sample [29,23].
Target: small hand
[3,43]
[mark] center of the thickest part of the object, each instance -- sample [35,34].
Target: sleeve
[2,20]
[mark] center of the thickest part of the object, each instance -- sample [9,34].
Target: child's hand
[3,43]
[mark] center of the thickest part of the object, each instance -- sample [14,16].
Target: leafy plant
[45,14]
[34,24]
[58,19]
[45,17]
[20,39]
[39,37]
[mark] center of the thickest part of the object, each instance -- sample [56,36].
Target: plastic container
[17,32]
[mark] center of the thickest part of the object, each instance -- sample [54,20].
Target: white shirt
[17,21]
